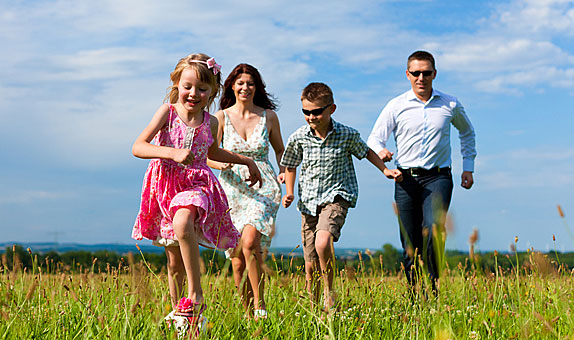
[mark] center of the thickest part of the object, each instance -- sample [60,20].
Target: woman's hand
[254,174]
[281,178]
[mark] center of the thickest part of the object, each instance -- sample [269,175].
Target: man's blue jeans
[422,200]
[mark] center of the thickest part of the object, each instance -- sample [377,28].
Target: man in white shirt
[420,121]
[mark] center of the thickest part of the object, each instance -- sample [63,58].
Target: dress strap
[170,116]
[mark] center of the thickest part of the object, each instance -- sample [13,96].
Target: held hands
[287,200]
[385,155]
[226,166]
[254,174]
[395,174]
[183,156]
[281,178]
[467,180]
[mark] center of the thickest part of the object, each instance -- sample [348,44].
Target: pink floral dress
[169,186]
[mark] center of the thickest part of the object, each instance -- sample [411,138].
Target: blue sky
[80,80]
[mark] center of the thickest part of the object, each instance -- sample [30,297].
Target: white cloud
[98,68]
[32,196]
[537,16]
[514,49]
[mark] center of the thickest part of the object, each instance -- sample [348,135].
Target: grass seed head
[31,290]
[473,237]
[560,211]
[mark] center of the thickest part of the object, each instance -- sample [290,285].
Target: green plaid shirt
[326,165]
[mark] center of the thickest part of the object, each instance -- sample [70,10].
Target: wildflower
[473,335]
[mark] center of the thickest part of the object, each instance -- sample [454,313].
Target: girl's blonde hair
[203,73]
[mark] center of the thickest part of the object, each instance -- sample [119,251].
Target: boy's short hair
[421,55]
[318,93]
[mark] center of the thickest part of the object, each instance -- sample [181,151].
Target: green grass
[534,302]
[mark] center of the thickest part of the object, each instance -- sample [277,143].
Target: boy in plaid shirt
[327,184]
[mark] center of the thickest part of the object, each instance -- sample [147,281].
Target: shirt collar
[334,124]
[412,96]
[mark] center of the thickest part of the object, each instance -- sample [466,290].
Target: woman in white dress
[248,124]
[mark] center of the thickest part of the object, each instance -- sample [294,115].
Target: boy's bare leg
[312,284]
[323,245]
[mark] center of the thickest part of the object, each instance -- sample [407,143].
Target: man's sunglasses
[315,112]
[416,74]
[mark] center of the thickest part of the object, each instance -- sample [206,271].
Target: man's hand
[385,155]
[467,180]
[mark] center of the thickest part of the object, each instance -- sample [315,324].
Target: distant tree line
[386,260]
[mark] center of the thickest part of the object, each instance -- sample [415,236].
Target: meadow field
[532,300]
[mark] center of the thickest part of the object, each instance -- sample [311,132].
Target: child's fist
[395,174]
[287,200]
[183,156]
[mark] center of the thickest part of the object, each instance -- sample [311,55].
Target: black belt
[416,172]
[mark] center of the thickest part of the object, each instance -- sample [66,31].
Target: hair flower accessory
[211,64]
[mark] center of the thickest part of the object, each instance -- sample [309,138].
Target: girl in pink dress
[183,204]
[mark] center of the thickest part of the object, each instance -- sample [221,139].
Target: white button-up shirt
[422,131]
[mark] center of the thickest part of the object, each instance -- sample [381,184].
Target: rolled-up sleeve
[383,128]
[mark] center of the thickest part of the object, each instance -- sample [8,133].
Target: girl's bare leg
[184,228]
[175,273]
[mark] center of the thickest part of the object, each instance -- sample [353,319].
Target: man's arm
[380,164]
[382,129]
[467,144]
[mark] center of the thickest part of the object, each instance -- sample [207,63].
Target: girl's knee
[184,223]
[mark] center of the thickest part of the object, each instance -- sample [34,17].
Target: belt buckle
[413,172]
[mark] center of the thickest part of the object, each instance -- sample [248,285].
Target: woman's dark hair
[261,97]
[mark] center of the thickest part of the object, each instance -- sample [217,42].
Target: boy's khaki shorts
[330,217]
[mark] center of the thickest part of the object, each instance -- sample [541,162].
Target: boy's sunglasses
[416,74]
[315,112]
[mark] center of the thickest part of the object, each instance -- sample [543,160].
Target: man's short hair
[421,55]
[318,93]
